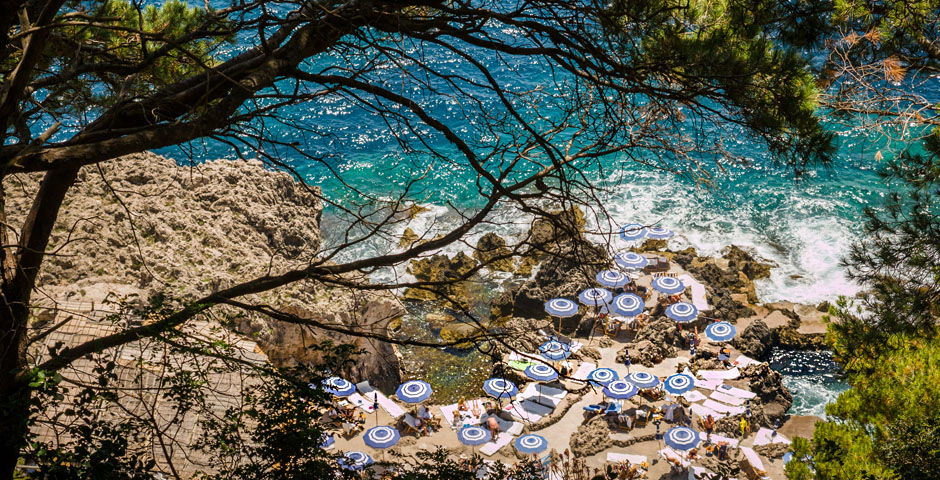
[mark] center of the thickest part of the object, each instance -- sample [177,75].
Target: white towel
[721,407]
[737,392]
[698,292]
[720,374]
[489,448]
[672,456]
[388,405]
[694,396]
[703,411]
[732,442]
[583,371]
[729,399]
[357,400]
[752,458]
[707,384]
[744,361]
[766,436]
[626,457]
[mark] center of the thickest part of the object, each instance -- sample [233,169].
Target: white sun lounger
[626,457]
[766,436]
[516,411]
[707,384]
[359,401]
[698,292]
[732,442]
[449,412]
[744,361]
[703,411]
[753,459]
[583,371]
[737,392]
[722,408]
[489,448]
[720,374]
[694,396]
[672,456]
[388,405]
[725,398]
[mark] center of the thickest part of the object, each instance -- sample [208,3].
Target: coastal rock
[746,263]
[491,251]
[727,468]
[522,334]
[755,340]
[655,341]
[652,245]
[772,395]
[408,238]
[773,450]
[441,268]
[591,437]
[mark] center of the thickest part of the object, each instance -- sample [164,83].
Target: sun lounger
[700,473]
[744,361]
[367,405]
[593,408]
[533,407]
[450,414]
[613,409]
[725,398]
[698,292]
[707,384]
[694,396]
[489,448]
[766,436]
[732,442]
[411,424]
[386,403]
[626,457]
[519,413]
[703,411]
[547,396]
[583,371]
[752,465]
[720,374]
[723,408]
[674,458]
[512,428]
[546,391]
[737,392]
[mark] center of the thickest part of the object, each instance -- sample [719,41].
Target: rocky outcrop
[144,227]
[492,251]
[441,268]
[772,450]
[755,341]
[771,393]
[591,437]
[653,343]
[739,259]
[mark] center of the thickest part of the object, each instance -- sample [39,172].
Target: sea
[337,141]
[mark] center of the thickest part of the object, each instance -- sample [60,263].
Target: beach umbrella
[561,307]
[682,438]
[531,443]
[355,461]
[642,379]
[602,376]
[682,312]
[595,297]
[659,233]
[620,390]
[553,350]
[338,387]
[668,285]
[499,388]
[679,383]
[628,305]
[473,436]
[414,391]
[381,437]
[541,372]
[631,260]
[720,331]
[327,440]
[612,278]
[633,231]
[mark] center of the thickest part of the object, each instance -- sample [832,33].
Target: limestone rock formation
[591,437]
[755,340]
[492,251]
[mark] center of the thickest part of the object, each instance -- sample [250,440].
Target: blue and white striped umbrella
[628,305]
[541,372]
[720,331]
[595,297]
[531,443]
[612,278]
[643,379]
[339,387]
[500,387]
[553,350]
[682,438]
[633,231]
[668,285]
[381,437]
[659,233]
[414,391]
[631,260]
[602,376]
[561,307]
[473,436]
[620,390]
[679,383]
[682,312]
[355,460]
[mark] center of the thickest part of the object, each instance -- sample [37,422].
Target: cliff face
[143,225]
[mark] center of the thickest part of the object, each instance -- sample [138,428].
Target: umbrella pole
[375,406]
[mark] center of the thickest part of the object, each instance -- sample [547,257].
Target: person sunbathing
[462,405]
[493,427]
